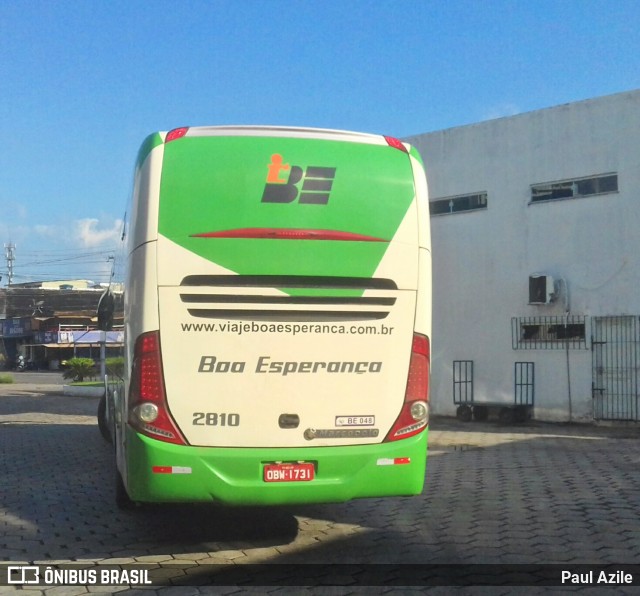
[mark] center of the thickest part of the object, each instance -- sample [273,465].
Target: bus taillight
[148,411]
[414,416]
[176,133]
[396,144]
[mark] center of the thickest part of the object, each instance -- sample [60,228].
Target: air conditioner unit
[541,289]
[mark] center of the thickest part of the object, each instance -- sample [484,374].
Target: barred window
[549,332]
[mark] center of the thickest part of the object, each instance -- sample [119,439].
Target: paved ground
[531,494]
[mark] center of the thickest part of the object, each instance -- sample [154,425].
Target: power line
[99,265]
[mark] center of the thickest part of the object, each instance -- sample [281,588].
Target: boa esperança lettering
[266,365]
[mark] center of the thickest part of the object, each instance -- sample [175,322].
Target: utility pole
[9,253]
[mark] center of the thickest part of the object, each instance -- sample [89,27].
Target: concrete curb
[80,391]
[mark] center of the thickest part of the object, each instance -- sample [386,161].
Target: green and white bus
[277,319]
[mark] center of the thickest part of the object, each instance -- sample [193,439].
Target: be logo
[283,183]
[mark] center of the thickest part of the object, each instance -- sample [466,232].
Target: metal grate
[524,388]
[462,381]
[616,362]
[549,333]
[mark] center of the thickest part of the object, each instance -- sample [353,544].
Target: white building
[536,251]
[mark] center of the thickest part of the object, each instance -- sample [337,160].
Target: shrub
[115,366]
[79,368]
[6,379]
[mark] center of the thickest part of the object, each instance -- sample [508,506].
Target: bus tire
[103,424]
[123,501]
[464,413]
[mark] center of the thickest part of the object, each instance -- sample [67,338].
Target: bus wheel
[103,425]
[122,497]
[480,413]
[464,413]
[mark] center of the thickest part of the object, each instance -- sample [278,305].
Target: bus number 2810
[215,419]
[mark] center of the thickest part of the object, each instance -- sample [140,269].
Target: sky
[82,83]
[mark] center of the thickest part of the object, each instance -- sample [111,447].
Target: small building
[50,325]
[535,228]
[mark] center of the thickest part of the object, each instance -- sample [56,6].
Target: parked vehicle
[20,364]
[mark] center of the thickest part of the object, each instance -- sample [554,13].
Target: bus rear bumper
[163,472]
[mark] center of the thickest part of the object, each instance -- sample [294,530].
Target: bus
[277,319]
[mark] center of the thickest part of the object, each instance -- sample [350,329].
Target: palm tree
[79,368]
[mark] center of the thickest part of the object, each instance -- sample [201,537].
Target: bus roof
[278,131]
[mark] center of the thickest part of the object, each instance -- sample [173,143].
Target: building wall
[483,258]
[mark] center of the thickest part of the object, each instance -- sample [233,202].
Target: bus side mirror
[106,307]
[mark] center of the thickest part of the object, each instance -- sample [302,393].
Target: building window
[576,188]
[549,332]
[459,204]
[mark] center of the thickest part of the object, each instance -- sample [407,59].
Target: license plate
[289,472]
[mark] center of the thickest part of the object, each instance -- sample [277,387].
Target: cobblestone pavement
[531,494]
